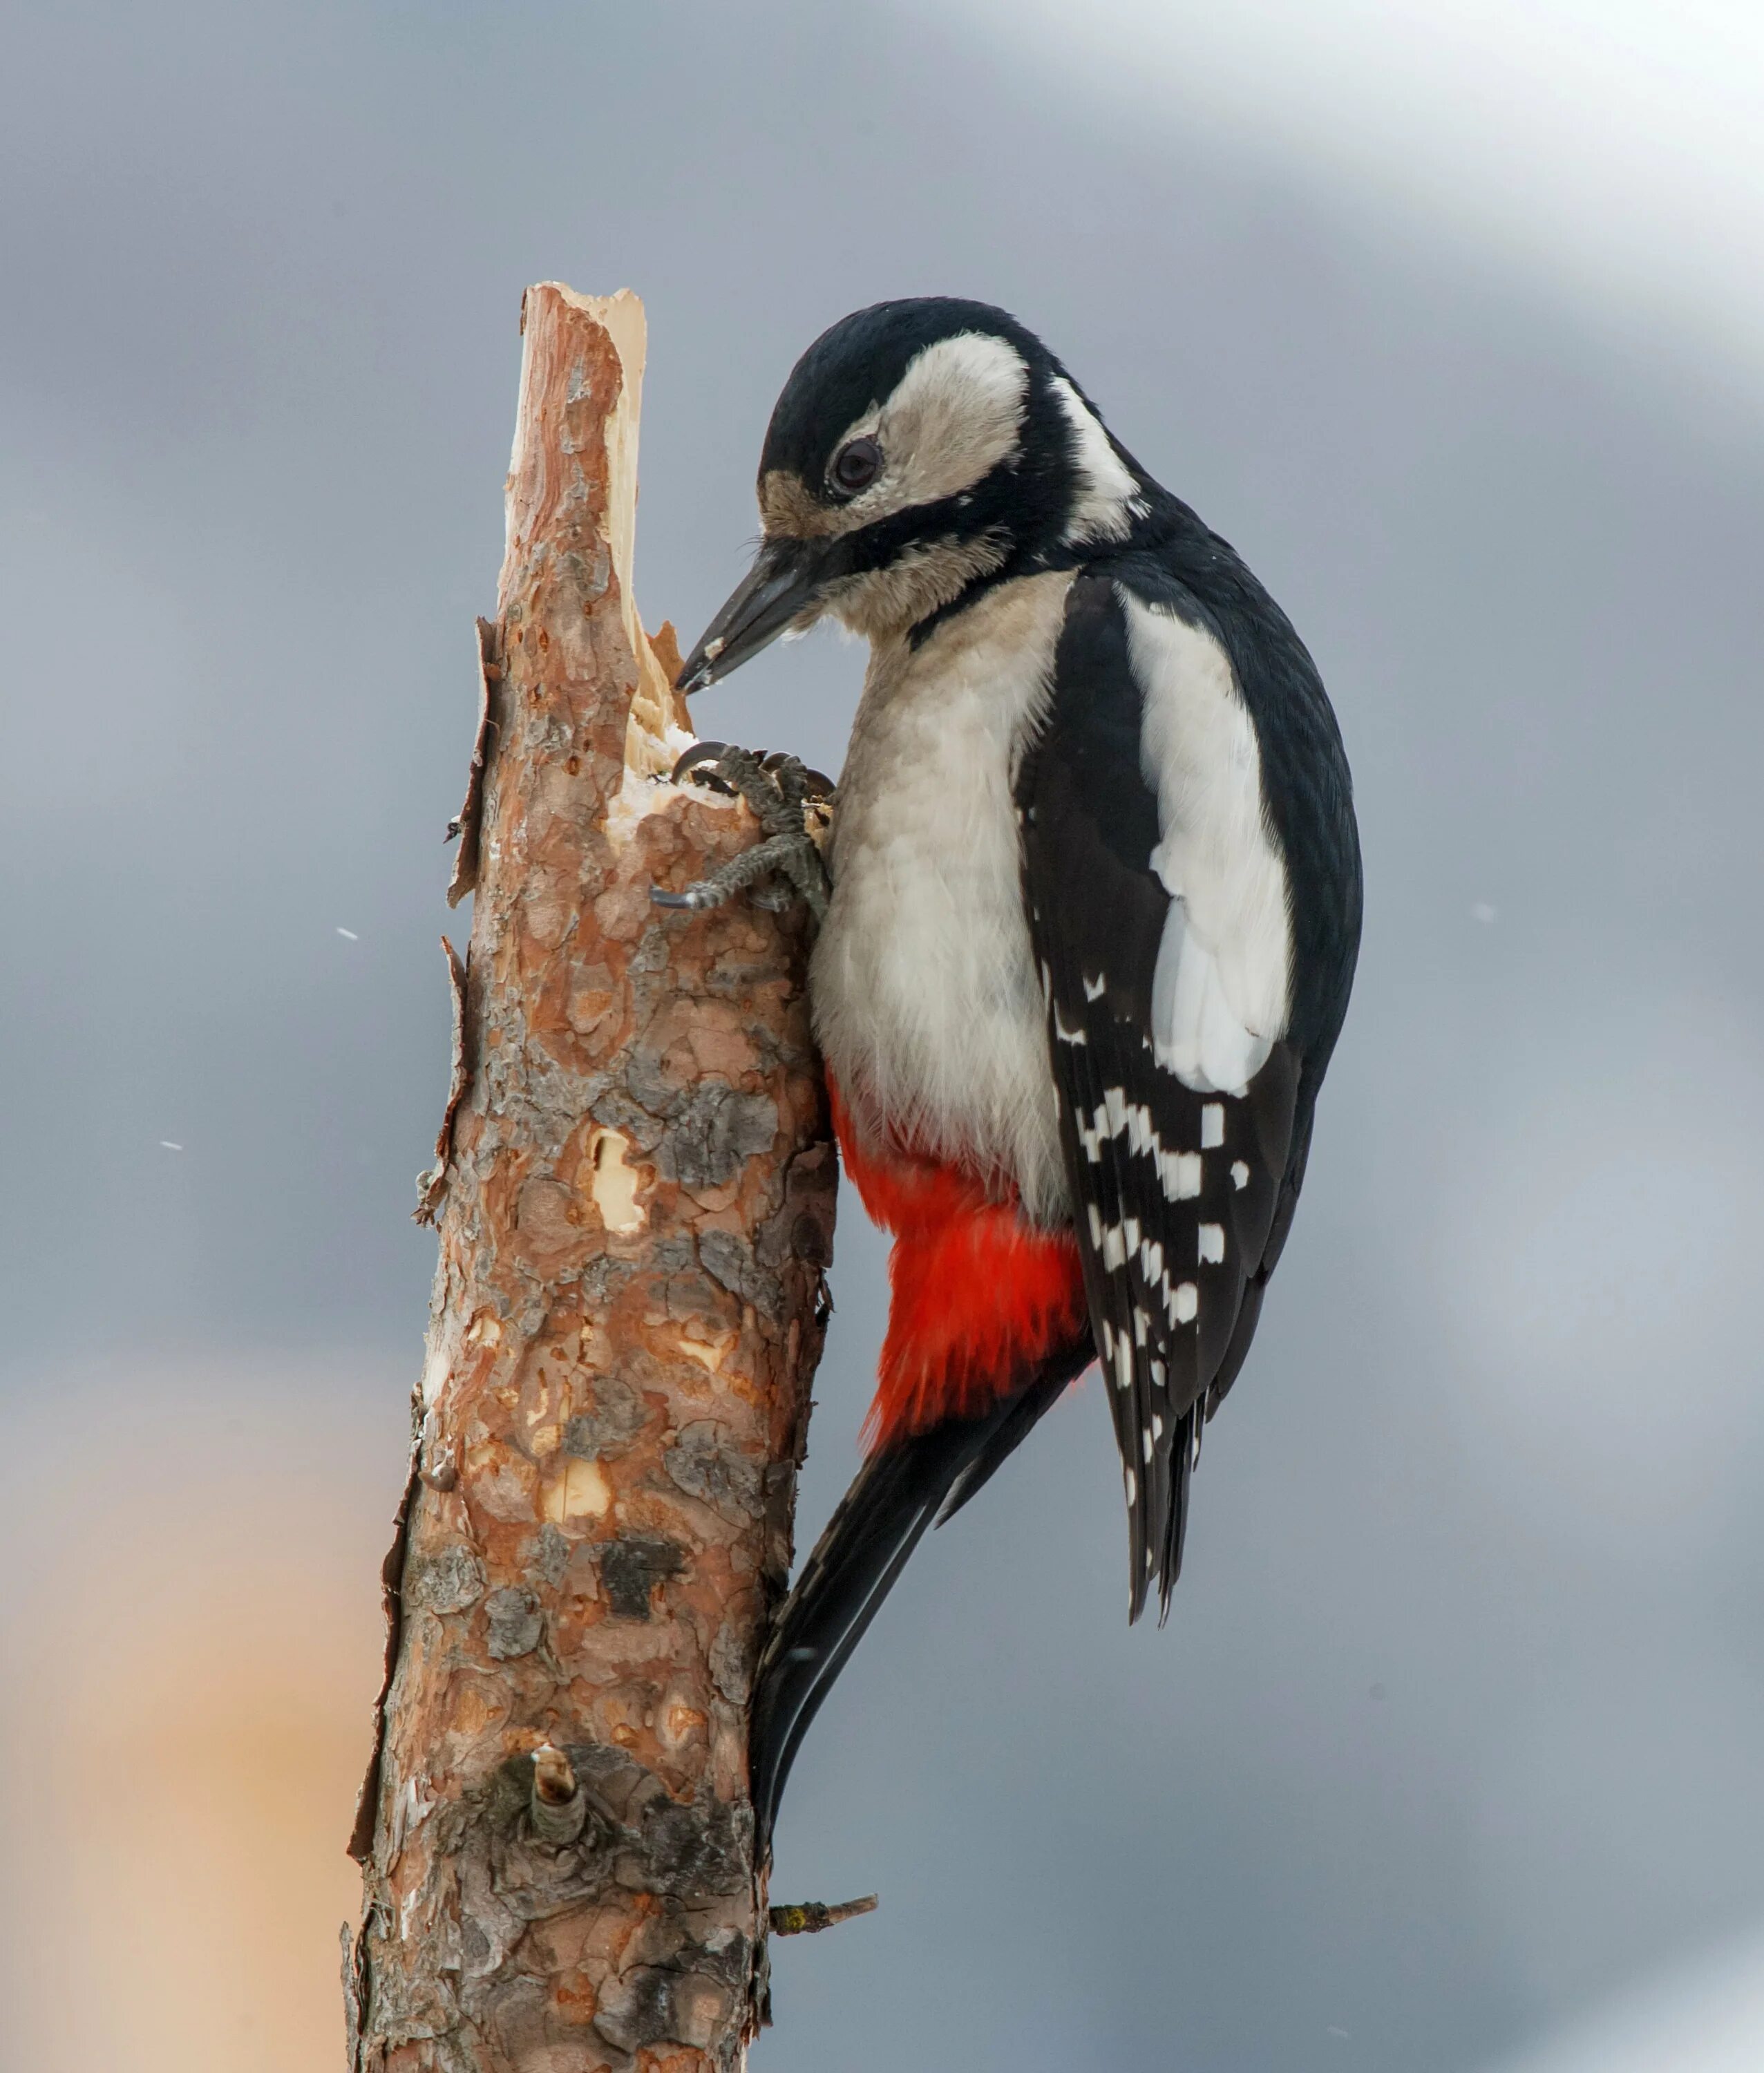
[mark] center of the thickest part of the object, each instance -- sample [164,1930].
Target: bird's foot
[791,803]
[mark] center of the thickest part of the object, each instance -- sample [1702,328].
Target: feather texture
[1177,1141]
[1094,912]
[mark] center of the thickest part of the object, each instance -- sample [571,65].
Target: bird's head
[918,447]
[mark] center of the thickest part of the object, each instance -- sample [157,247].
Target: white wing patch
[1108,498]
[1221,991]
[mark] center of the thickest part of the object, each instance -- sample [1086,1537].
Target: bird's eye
[856,466]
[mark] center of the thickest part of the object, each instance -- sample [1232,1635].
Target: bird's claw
[785,795]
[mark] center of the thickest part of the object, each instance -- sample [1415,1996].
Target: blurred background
[1449,318]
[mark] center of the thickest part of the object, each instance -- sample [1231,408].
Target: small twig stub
[808,1918]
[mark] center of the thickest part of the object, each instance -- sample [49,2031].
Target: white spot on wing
[1141,1134]
[1187,1304]
[1240,1174]
[1180,1172]
[1212,1125]
[1212,1243]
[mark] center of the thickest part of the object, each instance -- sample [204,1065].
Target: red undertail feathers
[978,1299]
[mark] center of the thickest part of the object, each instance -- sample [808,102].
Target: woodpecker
[1092,915]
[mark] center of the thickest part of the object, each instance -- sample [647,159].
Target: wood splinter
[808,1918]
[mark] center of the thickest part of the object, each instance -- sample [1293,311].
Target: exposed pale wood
[636,1202]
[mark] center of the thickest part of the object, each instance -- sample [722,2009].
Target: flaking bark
[635,1194]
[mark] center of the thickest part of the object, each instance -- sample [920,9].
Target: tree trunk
[635,1186]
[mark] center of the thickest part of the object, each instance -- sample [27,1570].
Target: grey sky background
[1453,1736]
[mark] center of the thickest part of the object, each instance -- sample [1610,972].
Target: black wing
[1182,1198]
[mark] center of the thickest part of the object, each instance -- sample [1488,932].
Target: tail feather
[1005,1434]
[902,1489]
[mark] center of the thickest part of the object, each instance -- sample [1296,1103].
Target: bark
[635,1194]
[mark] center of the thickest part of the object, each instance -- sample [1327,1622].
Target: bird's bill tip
[784,585]
[698,671]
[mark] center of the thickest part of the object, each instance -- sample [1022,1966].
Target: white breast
[1220,994]
[926,998]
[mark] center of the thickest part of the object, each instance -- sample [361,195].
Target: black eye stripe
[855,466]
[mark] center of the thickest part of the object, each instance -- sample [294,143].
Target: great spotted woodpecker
[1093,912]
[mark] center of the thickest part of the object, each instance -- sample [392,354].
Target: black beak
[784,583]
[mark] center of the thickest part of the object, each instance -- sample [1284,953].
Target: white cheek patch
[955,414]
[1221,992]
[1108,498]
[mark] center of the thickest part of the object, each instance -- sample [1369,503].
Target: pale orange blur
[190,1661]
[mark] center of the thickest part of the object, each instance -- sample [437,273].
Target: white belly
[926,1000]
